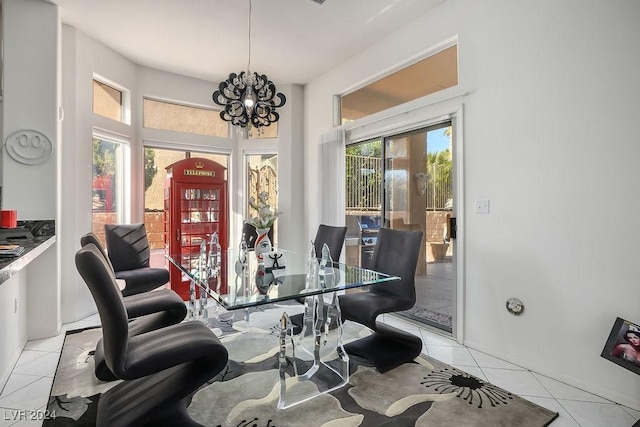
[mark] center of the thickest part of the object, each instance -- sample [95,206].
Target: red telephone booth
[195,206]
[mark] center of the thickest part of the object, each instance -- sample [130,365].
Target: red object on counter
[8,218]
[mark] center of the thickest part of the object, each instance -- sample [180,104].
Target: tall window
[108,201]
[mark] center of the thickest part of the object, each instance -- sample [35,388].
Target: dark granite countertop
[44,233]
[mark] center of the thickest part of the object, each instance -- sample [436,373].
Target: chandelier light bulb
[249,98]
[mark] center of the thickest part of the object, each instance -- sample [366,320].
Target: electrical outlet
[482,206]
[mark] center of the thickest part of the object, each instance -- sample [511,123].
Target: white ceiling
[292,41]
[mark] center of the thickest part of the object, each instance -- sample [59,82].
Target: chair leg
[386,348]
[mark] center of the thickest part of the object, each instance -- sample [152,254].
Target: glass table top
[281,276]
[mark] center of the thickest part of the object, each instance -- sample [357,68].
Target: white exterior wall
[550,137]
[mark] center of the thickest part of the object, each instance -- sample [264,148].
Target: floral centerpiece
[266,214]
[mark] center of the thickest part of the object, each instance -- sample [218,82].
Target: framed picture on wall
[623,345]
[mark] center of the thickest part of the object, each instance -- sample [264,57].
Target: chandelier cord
[249,62]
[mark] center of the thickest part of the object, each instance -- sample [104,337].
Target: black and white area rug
[423,393]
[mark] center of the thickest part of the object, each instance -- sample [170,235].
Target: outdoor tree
[150,168]
[439,168]
[104,158]
[104,161]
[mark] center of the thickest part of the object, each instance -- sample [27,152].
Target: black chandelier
[249,98]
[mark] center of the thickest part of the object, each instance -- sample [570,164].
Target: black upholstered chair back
[101,281]
[333,237]
[396,253]
[92,238]
[127,245]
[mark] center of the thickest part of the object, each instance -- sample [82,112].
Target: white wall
[550,137]
[30,102]
[291,170]
[31,70]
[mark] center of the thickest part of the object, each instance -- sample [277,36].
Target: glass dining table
[244,279]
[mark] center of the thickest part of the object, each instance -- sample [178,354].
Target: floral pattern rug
[425,392]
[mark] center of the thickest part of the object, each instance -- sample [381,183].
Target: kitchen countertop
[33,247]
[41,237]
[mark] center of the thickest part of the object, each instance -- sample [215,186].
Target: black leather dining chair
[161,368]
[396,253]
[333,237]
[146,311]
[129,253]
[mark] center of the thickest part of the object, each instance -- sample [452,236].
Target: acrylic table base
[320,345]
[192,312]
[198,309]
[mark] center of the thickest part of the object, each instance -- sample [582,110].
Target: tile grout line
[536,378]
[15,365]
[554,397]
[565,409]
[37,377]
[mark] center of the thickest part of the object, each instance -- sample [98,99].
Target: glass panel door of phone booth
[195,208]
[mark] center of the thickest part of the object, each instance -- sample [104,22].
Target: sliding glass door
[405,182]
[418,195]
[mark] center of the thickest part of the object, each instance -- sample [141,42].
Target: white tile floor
[30,381]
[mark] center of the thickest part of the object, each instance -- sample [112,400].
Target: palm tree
[439,168]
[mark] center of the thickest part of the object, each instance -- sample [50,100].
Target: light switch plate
[482,206]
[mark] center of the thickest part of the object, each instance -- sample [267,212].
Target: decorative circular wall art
[28,147]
